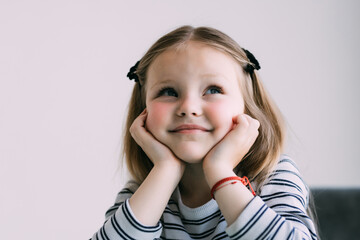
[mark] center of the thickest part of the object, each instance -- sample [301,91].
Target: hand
[158,153]
[227,153]
[150,199]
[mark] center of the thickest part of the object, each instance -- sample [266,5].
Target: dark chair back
[338,213]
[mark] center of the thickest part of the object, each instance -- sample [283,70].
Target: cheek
[221,114]
[157,113]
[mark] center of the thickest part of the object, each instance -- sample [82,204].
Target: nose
[189,106]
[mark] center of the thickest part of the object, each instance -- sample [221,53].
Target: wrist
[214,174]
[173,169]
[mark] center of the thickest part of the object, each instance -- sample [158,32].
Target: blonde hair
[264,153]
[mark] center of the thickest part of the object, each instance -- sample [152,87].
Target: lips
[189,128]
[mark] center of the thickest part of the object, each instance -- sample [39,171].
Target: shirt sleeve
[280,210]
[121,223]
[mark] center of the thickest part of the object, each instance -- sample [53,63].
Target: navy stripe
[221,235]
[292,218]
[291,233]
[194,222]
[275,220]
[113,209]
[286,205]
[282,184]
[103,233]
[283,195]
[172,212]
[251,222]
[308,237]
[204,234]
[118,229]
[175,226]
[136,224]
[286,160]
[286,181]
[279,171]
[217,214]
[277,230]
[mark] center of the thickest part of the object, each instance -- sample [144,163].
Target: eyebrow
[162,82]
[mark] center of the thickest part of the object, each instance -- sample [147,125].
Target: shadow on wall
[338,212]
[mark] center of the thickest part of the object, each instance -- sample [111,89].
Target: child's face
[192,94]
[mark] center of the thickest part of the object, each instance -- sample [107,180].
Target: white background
[64,93]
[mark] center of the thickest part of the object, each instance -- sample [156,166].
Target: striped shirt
[278,212]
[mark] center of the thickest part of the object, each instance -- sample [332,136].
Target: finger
[238,118]
[138,131]
[241,123]
[144,112]
[252,121]
[245,130]
[253,130]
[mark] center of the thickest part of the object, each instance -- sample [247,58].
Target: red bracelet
[244,180]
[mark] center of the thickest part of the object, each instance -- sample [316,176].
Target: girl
[200,125]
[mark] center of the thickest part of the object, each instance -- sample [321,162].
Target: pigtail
[265,152]
[138,163]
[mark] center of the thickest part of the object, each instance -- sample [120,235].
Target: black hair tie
[249,67]
[132,73]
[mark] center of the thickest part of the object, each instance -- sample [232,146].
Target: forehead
[192,59]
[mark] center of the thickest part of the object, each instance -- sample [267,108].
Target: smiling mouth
[189,128]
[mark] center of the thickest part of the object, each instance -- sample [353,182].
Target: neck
[193,187]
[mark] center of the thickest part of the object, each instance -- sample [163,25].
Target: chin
[190,156]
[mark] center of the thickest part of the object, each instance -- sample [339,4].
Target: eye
[167,92]
[214,90]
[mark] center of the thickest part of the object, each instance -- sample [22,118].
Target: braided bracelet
[220,184]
